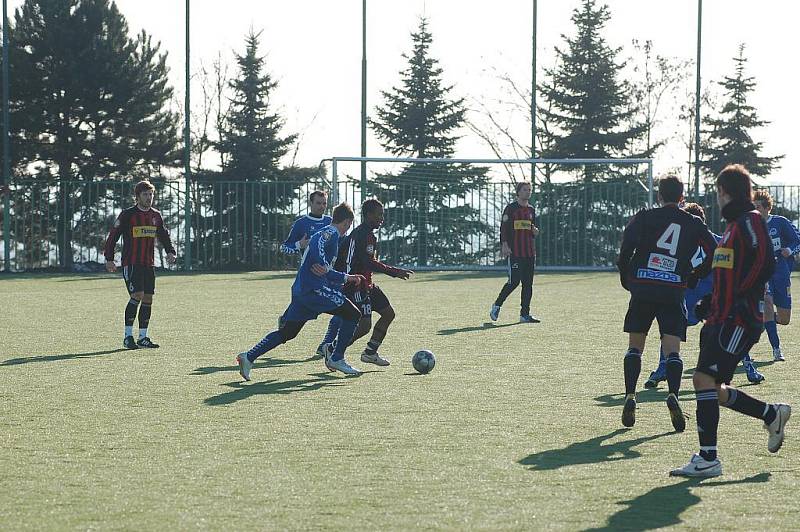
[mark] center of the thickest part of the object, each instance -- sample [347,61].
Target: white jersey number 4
[669,239]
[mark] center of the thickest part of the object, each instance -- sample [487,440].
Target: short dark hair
[141,186]
[696,209]
[371,205]
[764,198]
[342,212]
[671,188]
[734,179]
[520,184]
[320,193]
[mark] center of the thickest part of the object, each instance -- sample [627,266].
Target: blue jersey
[305,226]
[321,249]
[784,235]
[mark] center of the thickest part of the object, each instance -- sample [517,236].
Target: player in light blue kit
[304,227]
[786,243]
[692,297]
[316,290]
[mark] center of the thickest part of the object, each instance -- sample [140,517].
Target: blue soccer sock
[268,343]
[333,330]
[772,332]
[346,330]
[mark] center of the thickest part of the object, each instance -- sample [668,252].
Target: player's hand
[319,269]
[357,280]
[404,274]
[786,252]
[110,266]
[303,242]
[703,307]
[171,258]
[535,230]
[505,250]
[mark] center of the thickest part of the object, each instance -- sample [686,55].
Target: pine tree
[428,220]
[90,103]
[729,139]
[588,105]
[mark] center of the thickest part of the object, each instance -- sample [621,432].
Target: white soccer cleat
[777,355]
[245,366]
[343,366]
[495,312]
[698,467]
[776,429]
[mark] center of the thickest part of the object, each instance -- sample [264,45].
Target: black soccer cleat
[129,343]
[147,342]
[629,411]
[676,414]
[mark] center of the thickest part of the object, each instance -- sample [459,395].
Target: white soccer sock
[128,330]
[142,333]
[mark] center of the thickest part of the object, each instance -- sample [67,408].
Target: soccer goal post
[445,214]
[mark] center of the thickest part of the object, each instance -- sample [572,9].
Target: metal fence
[240,225]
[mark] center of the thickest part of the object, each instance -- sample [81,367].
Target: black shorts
[722,347]
[139,278]
[366,300]
[671,317]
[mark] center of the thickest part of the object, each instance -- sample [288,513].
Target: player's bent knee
[290,330]
[702,381]
[138,296]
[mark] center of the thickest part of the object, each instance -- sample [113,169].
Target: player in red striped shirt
[517,233]
[139,227]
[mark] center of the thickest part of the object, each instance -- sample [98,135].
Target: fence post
[650,185]
[334,183]
[6,151]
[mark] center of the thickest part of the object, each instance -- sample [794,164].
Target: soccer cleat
[629,411]
[777,355]
[753,375]
[495,312]
[322,349]
[326,357]
[147,342]
[698,467]
[527,318]
[129,343]
[776,429]
[675,413]
[343,366]
[245,366]
[657,376]
[372,357]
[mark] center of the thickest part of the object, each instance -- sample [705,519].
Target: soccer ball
[423,361]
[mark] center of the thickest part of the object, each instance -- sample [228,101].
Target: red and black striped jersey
[139,230]
[516,229]
[743,263]
[357,255]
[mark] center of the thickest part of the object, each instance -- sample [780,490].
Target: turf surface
[517,427]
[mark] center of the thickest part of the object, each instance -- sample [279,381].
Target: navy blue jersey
[784,236]
[305,226]
[322,249]
[658,245]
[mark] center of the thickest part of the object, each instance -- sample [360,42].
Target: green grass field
[518,427]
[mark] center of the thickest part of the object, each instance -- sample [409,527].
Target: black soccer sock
[707,422]
[130,312]
[674,372]
[749,406]
[632,363]
[144,315]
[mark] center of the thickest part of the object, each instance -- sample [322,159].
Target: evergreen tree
[251,192]
[90,103]
[588,107]
[428,220]
[729,140]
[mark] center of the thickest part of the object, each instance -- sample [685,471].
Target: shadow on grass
[271,276]
[267,363]
[56,358]
[591,451]
[572,276]
[484,327]
[663,506]
[646,396]
[241,391]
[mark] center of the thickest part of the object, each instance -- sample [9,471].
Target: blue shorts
[309,306]
[781,291]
